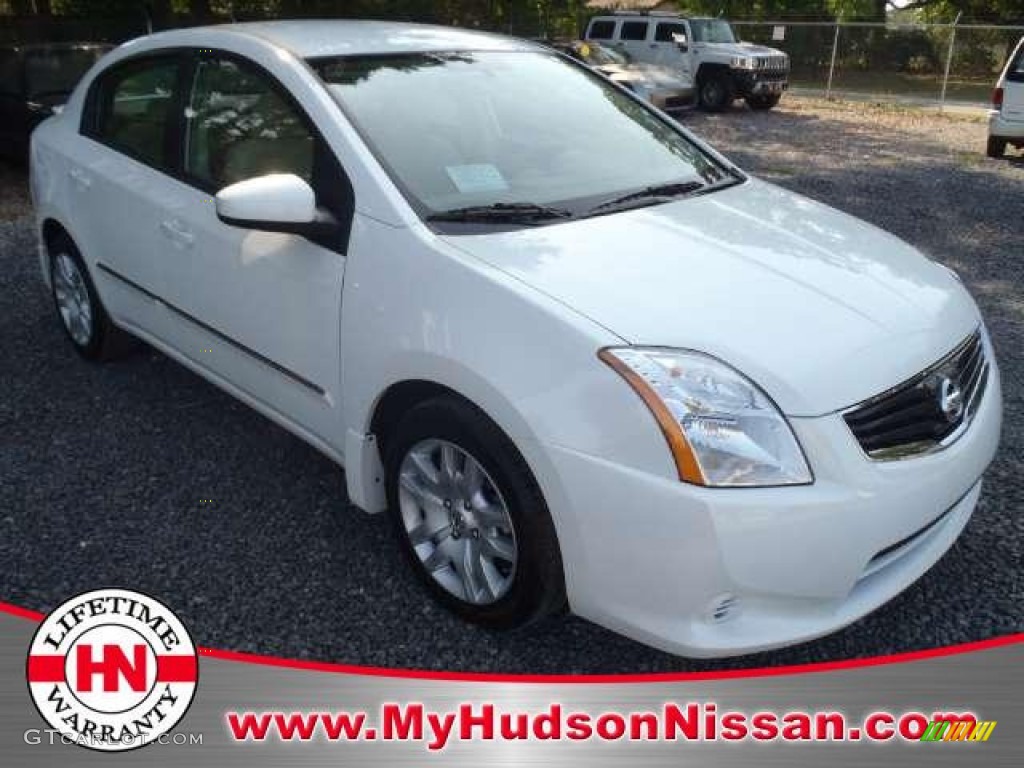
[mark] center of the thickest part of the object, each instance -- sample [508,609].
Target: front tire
[716,92]
[82,315]
[996,147]
[763,101]
[470,516]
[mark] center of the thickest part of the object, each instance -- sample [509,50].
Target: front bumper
[759,83]
[1002,128]
[655,559]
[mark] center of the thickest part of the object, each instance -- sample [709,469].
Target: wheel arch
[399,398]
[50,230]
[708,68]
[366,438]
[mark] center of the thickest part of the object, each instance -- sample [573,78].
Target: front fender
[417,308]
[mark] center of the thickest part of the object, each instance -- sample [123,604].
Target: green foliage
[982,11]
[524,16]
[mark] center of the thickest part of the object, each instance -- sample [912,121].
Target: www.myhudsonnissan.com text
[673,722]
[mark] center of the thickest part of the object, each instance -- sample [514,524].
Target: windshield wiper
[652,195]
[501,212]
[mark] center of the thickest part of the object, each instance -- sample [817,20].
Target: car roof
[312,38]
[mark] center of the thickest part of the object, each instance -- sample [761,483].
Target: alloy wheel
[73,301]
[457,522]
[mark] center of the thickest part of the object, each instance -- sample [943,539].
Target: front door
[668,36]
[260,309]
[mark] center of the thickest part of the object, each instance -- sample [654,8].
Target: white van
[704,49]
[1006,118]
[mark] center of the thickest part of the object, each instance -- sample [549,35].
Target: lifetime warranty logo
[112,670]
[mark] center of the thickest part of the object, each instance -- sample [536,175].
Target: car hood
[820,309]
[742,49]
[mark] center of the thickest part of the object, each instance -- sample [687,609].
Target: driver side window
[239,127]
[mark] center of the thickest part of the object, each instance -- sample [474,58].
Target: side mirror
[680,41]
[278,202]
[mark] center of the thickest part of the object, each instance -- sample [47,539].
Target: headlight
[742,62]
[722,429]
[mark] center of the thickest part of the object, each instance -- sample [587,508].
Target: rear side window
[666,31]
[634,30]
[240,126]
[1015,72]
[602,30]
[134,108]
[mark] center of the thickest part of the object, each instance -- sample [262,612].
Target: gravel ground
[140,474]
[13,192]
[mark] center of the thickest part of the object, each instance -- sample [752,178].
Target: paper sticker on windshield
[482,177]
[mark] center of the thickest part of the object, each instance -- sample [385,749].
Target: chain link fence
[912,63]
[934,64]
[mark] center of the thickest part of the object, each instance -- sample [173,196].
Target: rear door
[633,39]
[1013,86]
[601,29]
[119,181]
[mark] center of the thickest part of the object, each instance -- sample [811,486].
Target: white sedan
[583,360]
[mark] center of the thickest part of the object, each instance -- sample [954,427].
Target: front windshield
[482,128]
[712,31]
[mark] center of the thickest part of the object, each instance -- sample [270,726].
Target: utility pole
[949,60]
[832,66]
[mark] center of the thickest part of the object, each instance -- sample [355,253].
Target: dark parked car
[34,80]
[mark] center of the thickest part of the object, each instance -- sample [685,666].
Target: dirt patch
[807,133]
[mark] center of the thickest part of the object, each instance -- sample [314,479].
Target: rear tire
[81,313]
[996,147]
[715,92]
[447,531]
[764,101]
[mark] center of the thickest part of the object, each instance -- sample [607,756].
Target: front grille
[929,411]
[772,64]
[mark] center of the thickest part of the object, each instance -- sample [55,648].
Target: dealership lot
[139,474]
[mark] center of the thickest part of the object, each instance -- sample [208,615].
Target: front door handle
[80,177]
[176,231]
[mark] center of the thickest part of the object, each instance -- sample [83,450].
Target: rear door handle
[80,177]
[176,231]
